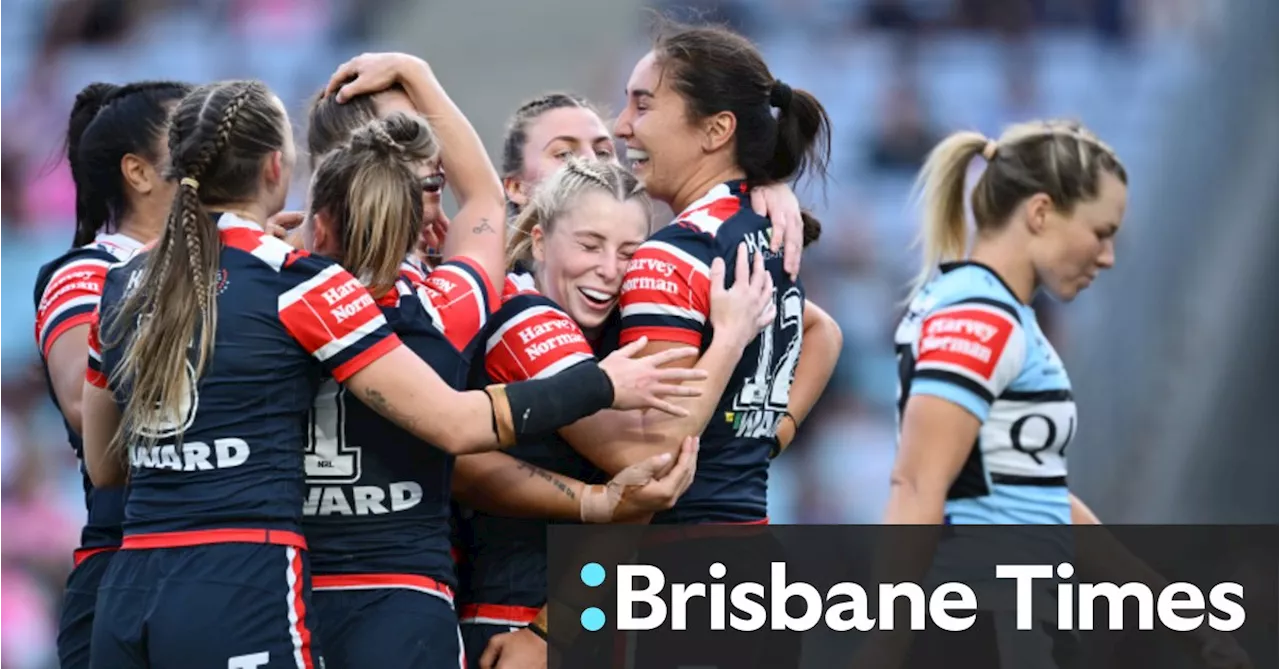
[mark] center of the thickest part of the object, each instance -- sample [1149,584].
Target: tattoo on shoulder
[546,476]
[483,227]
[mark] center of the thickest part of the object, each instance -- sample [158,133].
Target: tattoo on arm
[483,227]
[379,403]
[549,478]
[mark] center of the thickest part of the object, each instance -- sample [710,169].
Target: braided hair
[369,187]
[558,195]
[219,136]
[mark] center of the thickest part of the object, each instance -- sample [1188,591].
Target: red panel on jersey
[461,294]
[93,373]
[537,342]
[666,296]
[966,337]
[69,299]
[335,319]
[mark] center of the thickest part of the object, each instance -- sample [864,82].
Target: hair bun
[399,134]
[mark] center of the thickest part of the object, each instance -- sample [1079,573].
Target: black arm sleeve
[542,406]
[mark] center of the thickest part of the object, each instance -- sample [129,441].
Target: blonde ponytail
[940,189]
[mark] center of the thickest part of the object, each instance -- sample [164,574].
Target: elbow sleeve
[542,406]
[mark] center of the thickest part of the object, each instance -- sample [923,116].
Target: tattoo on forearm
[549,478]
[483,227]
[376,401]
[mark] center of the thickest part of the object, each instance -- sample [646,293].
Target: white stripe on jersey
[424,298]
[697,265]
[649,309]
[517,321]
[339,345]
[563,364]
[272,251]
[69,304]
[476,293]
[300,291]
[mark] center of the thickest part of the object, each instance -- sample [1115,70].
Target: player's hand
[284,225]
[371,73]
[433,235]
[739,313]
[778,203]
[520,649]
[642,383]
[642,489]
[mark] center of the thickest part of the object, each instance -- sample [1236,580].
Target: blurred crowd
[895,75]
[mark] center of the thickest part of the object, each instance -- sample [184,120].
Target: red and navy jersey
[67,292]
[666,296]
[459,287]
[529,337]
[284,317]
[378,497]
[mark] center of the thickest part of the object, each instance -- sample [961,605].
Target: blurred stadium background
[1171,353]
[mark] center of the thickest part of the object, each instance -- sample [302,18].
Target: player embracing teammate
[288,418]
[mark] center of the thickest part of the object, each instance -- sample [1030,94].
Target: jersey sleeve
[968,353]
[460,298]
[666,294]
[69,299]
[533,340]
[333,317]
[94,372]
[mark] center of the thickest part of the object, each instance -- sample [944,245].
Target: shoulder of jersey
[966,285]
[88,256]
[518,283]
[271,251]
[717,209]
[532,337]
[519,304]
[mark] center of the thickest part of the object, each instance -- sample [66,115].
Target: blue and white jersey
[966,338]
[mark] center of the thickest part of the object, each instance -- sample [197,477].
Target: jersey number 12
[769,387]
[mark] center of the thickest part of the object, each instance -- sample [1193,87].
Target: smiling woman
[578,233]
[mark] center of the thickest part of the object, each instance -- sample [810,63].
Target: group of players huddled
[342,433]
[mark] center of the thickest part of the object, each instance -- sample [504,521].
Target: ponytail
[91,207]
[219,136]
[371,190]
[107,123]
[715,71]
[940,187]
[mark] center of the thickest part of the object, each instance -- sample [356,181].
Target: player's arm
[351,338]
[613,440]
[967,354]
[957,375]
[101,421]
[66,373]
[499,484]
[63,314]
[101,418]
[819,354]
[478,229]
